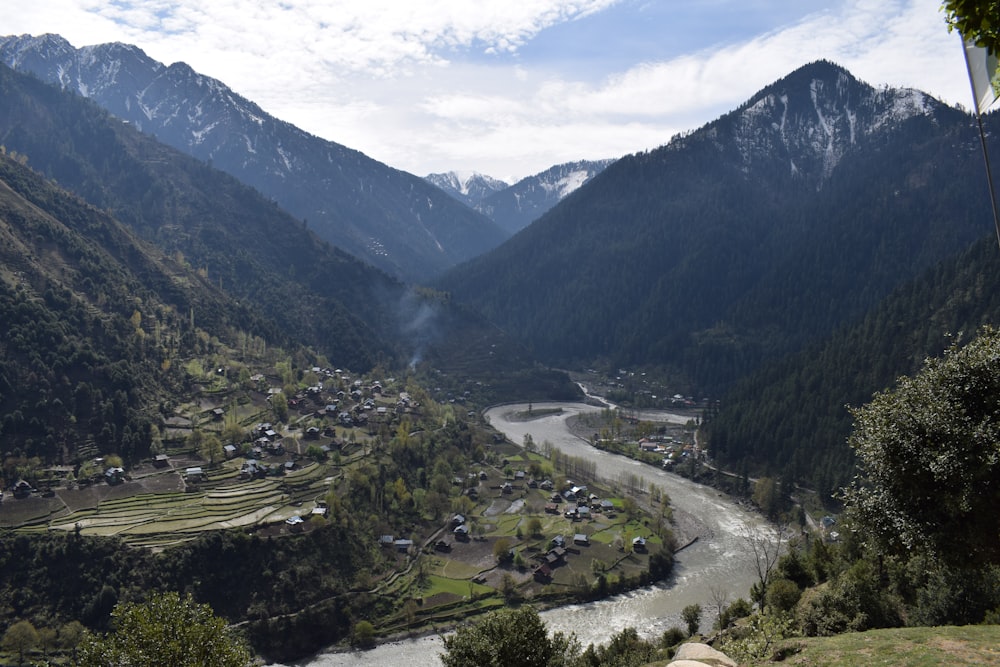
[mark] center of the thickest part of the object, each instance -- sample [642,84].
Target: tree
[211,448]
[70,636]
[691,615]
[364,634]
[19,638]
[763,545]
[929,452]
[975,20]
[165,630]
[508,638]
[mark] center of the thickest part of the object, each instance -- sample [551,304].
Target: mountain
[746,239]
[93,319]
[517,206]
[762,423]
[470,189]
[299,290]
[389,218]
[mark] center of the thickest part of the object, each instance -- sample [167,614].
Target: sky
[509,88]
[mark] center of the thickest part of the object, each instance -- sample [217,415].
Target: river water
[716,561]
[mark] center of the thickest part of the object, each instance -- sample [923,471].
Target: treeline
[792,418]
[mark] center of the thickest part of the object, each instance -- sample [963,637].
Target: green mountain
[744,240]
[92,318]
[791,418]
[260,273]
[390,219]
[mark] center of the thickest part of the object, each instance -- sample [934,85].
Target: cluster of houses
[351,403]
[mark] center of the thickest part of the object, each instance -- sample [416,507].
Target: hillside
[269,277]
[95,321]
[388,218]
[745,239]
[765,419]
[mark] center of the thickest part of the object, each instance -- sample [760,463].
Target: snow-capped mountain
[391,219]
[470,189]
[516,207]
[744,239]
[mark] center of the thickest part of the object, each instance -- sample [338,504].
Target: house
[559,541]
[461,532]
[583,513]
[386,540]
[546,485]
[251,470]
[639,544]
[114,475]
[194,474]
[218,414]
[295,523]
[230,451]
[403,545]
[551,508]
[161,461]
[457,520]
[542,573]
[319,511]
[21,489]
[581,540]
[441,545]
[607,506]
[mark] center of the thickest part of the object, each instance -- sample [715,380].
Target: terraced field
[159,519]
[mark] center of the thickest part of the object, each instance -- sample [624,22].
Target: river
[716,561]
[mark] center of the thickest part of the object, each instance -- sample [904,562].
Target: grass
[899,647]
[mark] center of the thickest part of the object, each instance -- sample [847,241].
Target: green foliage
[755,641]
[975,20]
[930,460]
[506,638]
[739,609]
[20,637]
[782,595]
[624,649]
[691,615]
[166,630]
[363,634]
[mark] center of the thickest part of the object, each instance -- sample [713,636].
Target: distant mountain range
[742,241]
[514,207]
[470,189]
[391,219]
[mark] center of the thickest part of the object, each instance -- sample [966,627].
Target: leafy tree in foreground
[929,451]
[508,638]
[166,630]
[976,20]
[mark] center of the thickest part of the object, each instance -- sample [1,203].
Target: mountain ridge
[679,256]
[389,218]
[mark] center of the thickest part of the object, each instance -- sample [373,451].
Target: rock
[699,655]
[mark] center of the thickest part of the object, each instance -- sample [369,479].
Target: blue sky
[511,87]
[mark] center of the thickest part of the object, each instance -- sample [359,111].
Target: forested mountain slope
[239,240]
[792,419]
[389,218]
[95,323]
[746,239]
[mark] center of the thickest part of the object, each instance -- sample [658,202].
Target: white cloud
[446,84]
